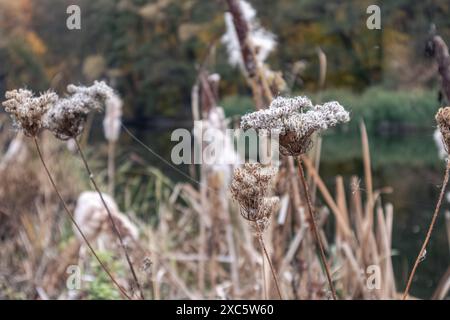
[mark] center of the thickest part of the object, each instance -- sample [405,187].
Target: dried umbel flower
[67,117]
[443,122]
[27,111]
[250,187]
[295,120]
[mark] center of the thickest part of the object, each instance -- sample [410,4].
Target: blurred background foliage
[149,50]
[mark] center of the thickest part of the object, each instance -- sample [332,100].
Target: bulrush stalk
[443,122]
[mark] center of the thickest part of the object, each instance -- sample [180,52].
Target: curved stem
[315,229]
[111,219]
[74,222]
[430,230]
[272,269]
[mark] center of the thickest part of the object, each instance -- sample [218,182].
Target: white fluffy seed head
[295,119]
[93,219]
[113,117]
[263,41]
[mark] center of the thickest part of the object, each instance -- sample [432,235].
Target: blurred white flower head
[113,117]
[437,137]
[92,217]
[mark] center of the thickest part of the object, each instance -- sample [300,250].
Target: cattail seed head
[27,111]
[443,122]
[113,117]
[249,188]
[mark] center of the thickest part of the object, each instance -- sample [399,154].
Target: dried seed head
[27,111]
[250,187]
[67,117]
[295,119]
[443,122]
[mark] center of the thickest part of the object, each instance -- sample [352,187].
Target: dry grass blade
[327,196]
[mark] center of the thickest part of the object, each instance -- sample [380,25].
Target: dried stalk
[74,222]
[113,224]
[272,269]
[430,229]
[111,167]
[315,229]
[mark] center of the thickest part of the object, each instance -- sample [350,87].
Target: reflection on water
[409,164]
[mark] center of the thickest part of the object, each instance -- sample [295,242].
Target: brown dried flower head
[27,111]
[250,187]
[443,122]
[67,117]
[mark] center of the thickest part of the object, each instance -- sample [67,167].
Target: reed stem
[430,230]
[75,223]
[272,269]
[314,227]
[111,167]
[111,219]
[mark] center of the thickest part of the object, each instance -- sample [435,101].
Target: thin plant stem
[111,219]
[74,222]
[111,167]
[272,269]
[263,271]
[430,230]
[314,227]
